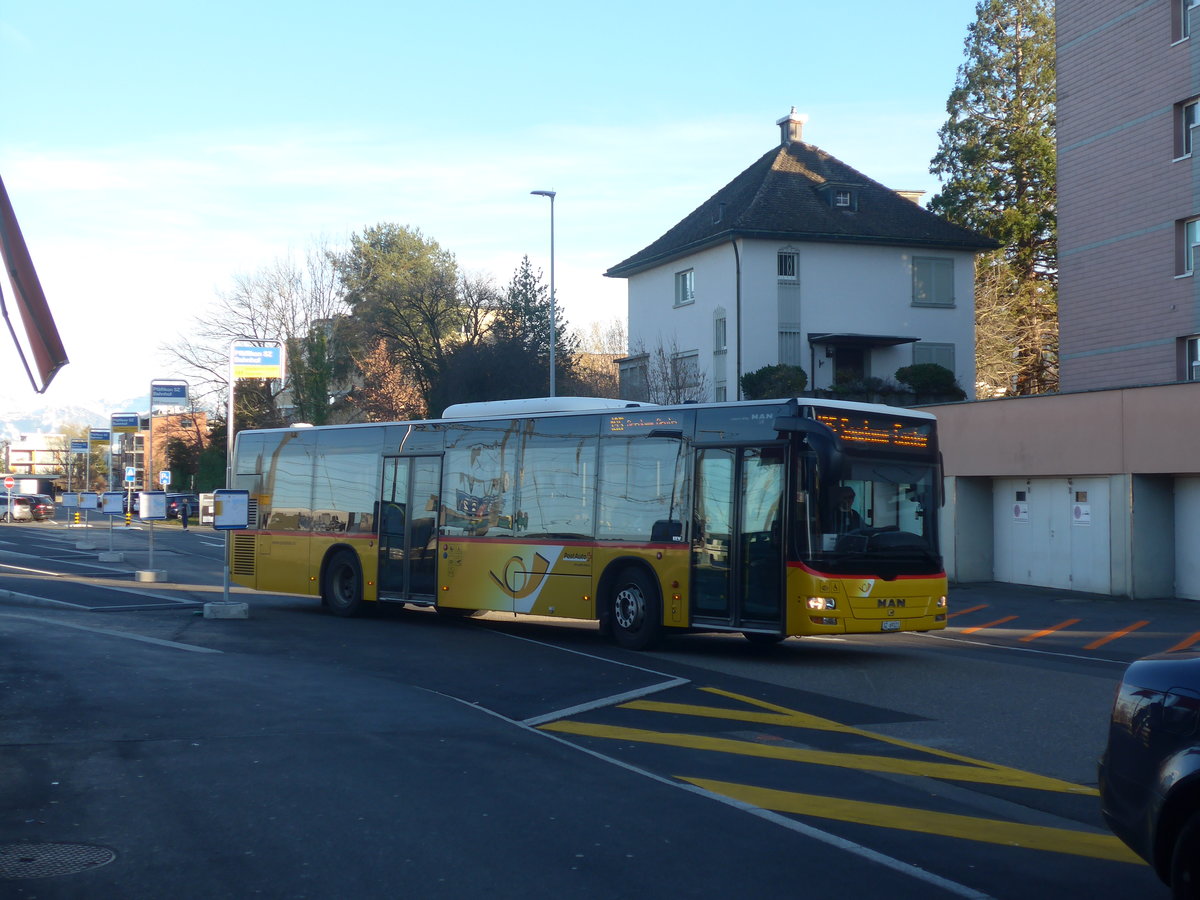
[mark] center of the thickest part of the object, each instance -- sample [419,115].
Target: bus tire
[1185,860]
[342,585]
[635,611]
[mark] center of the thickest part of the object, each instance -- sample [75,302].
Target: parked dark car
[42,506]
[1150,770]
[175,503]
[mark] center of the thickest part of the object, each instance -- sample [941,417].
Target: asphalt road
[146,750]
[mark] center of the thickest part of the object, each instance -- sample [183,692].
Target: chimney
[791,128]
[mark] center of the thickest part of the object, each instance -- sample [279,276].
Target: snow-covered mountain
[53,418]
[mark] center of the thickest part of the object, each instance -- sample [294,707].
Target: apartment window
[1184,26]
[719,339]
[1185,122]
[722,393]
[1191,359]
[942,354]
[1189,245]
[932,281]
[787,266]
[685,287]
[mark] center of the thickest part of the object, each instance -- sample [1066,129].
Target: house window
[719,345]
[1191,358]
[843,199]
[786,266]
[1185,123]
[685,287]
[1185,25]
[1189,245]
[932,281]
[722,393]
[942,354]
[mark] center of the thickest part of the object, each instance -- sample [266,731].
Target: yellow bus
[768,518]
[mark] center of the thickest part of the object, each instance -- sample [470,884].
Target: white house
[803,260]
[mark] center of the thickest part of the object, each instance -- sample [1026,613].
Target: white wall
[842,288]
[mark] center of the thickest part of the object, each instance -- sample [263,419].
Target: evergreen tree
[996,157]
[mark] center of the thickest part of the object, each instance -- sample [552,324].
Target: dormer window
[843,199]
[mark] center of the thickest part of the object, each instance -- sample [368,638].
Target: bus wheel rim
[630,608]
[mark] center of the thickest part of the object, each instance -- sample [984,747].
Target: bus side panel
[545,579]
[670,563]
[283,563]
[863,605]
[364,546]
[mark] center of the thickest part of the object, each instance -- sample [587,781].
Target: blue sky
[154,152]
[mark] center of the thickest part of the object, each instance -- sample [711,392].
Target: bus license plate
[891,625]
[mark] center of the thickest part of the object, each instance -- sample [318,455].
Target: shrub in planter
[930,379]
[774,381]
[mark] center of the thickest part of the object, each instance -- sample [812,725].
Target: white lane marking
[612,700]
[175,645]
[816,834]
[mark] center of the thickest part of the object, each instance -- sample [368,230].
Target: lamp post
[553,326]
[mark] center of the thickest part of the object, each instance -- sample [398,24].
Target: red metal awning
[41,333]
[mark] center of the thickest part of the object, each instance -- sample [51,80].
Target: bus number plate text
[891,625]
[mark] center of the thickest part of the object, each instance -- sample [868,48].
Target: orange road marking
[963,612]
[1116,634]
[988,625]
[1050,630]
[1186,642]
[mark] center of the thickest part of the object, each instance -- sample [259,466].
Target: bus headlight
[822,603]
[941,602]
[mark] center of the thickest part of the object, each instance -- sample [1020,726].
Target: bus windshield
[879,517]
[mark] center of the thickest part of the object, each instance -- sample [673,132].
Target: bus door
[408,527]
[737,537]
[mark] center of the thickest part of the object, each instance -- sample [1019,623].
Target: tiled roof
[786,196]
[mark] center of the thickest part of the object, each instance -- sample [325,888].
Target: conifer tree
[996,158]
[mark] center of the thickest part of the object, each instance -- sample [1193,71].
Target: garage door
[1053,532]
[1187,538]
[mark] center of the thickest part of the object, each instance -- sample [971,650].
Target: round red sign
[9,482]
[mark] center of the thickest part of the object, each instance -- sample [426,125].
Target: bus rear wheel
[342,587]
[635,614]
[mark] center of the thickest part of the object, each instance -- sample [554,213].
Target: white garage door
[1053,532]
[1187,538]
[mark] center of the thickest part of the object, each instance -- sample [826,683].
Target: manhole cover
[44,860]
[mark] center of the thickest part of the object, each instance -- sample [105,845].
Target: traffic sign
[164,477]
[9,482]
[130,474]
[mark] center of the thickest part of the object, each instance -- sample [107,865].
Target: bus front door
[408,528]
[737,540]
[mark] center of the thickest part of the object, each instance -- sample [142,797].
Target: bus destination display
[879,432]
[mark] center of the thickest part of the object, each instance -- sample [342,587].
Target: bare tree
[282,302]
[665,375]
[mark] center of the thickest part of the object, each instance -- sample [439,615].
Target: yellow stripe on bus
[991,831]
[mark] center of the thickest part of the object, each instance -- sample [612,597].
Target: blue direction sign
[79,446]
[124,423]
[253,361]
[99,436]
[168,394]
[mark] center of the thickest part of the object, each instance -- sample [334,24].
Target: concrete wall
[1123,189]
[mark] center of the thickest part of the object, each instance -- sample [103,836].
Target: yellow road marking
[1050,630]
[976,628]
[1116,634]
[1009,834]
[1185,643]
[781,715]
[862,762]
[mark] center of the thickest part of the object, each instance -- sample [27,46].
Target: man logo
[889,602]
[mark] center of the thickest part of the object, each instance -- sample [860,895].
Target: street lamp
[553,328]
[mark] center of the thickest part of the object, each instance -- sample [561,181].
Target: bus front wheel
[342,589]
[635,614]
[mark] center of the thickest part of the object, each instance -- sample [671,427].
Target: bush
[774,381]
[930,379]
